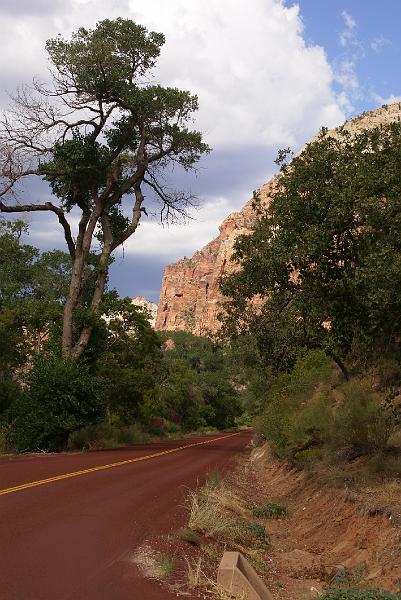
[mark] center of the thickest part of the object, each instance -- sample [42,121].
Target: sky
[268,73]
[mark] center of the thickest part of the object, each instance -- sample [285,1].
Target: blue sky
[268,73]
[373,48]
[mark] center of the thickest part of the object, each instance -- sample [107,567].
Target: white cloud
[379,42]
[386,100]
[177,241]
[349,21]
[260,86]
[347,36]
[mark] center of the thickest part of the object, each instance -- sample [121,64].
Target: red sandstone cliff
[190,296]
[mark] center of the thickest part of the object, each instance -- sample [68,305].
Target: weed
[213,479]
[353,594]
[188,535]
[206,514]
[247,532]
[345,578]
[165,564]
[270,511]
[194,573]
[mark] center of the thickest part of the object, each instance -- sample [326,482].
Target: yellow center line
[24,486]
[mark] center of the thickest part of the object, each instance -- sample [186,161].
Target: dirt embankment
[329,533]
[330,538]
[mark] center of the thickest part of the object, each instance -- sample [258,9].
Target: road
[69,523]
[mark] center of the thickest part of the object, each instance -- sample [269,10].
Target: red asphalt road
[72,539]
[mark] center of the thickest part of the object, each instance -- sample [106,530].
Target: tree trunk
[71,304]
[339,364]
[83,245]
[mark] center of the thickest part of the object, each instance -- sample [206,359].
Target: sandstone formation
[190,299]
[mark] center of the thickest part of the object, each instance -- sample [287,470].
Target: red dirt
[73,539]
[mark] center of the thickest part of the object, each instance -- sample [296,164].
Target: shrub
[270,511]
[250,534]
[104,435]
[389,371]
[360,423]
[188,535]
[297,409]
[62,396]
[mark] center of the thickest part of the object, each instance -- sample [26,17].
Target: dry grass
[194,573]
[152,564]
[207,515]
[213,511]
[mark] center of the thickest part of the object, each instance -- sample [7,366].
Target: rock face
[190,298]
[151,307]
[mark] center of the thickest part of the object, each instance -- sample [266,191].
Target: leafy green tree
[62,395]
[33,287]
[196,389]
[102,136]
[130,363]
[325,258]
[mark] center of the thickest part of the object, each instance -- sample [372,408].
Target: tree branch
[48,206]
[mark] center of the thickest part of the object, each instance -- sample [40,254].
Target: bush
[360,424]
[62,396]
[298,410]
[389,371]
[270,511]
[104,435]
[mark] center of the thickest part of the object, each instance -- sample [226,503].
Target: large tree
[102,136]
[324,261]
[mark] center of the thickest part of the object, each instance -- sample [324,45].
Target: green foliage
[271,510]
[355,594]
[346,578]
[128,361]
[196,389]
[62,396]
[294,416]
[325,259]
[188,535]
[32,289]
[109,68]
[250,533]
[104,435]
[360,424]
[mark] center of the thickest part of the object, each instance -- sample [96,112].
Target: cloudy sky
[268,73]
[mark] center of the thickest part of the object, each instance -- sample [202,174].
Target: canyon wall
[190,298]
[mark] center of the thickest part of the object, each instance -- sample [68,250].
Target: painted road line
[25,486]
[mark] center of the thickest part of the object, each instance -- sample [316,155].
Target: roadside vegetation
[313,321]
[79,366]
[129,384]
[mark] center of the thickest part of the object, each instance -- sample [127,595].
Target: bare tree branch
[48,206]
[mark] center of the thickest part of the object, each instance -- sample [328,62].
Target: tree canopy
[104,138]
[324,259]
